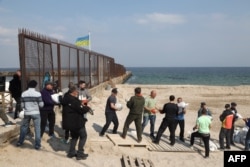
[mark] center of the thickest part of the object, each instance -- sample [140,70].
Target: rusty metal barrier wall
[40,55]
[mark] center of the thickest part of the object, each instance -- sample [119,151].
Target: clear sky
[137,33]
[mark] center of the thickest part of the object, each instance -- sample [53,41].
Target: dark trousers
[224,133]
[18,107]
[66,137]
[181,124]
[78,134]
[51,117]
[171,124]
[205,138]
[232,135]
[110,117]
[137,118]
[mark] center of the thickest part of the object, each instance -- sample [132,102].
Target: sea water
[217,76]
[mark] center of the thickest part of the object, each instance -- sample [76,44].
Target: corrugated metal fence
[62,62]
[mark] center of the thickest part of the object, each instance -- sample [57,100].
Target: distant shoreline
[7,73]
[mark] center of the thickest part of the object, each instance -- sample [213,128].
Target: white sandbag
[118,106]
[182,104]
[55,98]
[21,114]
[212,146]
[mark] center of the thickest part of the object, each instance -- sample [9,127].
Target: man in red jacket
[227,122]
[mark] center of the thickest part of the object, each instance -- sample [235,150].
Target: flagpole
[89,42]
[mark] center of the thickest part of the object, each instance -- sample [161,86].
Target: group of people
[142,110]
[228,118]
[39,107]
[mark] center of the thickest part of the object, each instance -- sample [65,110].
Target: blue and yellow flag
[82,41]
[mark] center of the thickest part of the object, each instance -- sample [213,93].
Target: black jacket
[72,113]
[15,87]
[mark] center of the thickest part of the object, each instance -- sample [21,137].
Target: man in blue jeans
[150,113]
[180,118]
[31,101]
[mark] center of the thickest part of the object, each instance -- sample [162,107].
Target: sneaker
[71,155]
[37,147]
[52,136]
[221,148]
[81,158]
[152,137]
[84,155]
[183,140]
[156,142]
[65,141]
[18,144]
[8,124]
[101,135]
[124,137]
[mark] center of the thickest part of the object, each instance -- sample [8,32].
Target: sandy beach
[103,153]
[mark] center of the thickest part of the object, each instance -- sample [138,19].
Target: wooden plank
[150,163]
[138,161]
[129,141]
[125,161]
[132,161]
[164,146]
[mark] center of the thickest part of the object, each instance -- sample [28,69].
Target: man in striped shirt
[31,101]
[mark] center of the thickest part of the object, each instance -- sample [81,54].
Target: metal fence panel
[65,62]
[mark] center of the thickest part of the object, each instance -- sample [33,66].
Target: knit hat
[49,83]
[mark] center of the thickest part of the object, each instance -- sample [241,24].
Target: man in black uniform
[171,111]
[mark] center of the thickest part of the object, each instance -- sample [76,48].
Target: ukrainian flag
[82,41]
